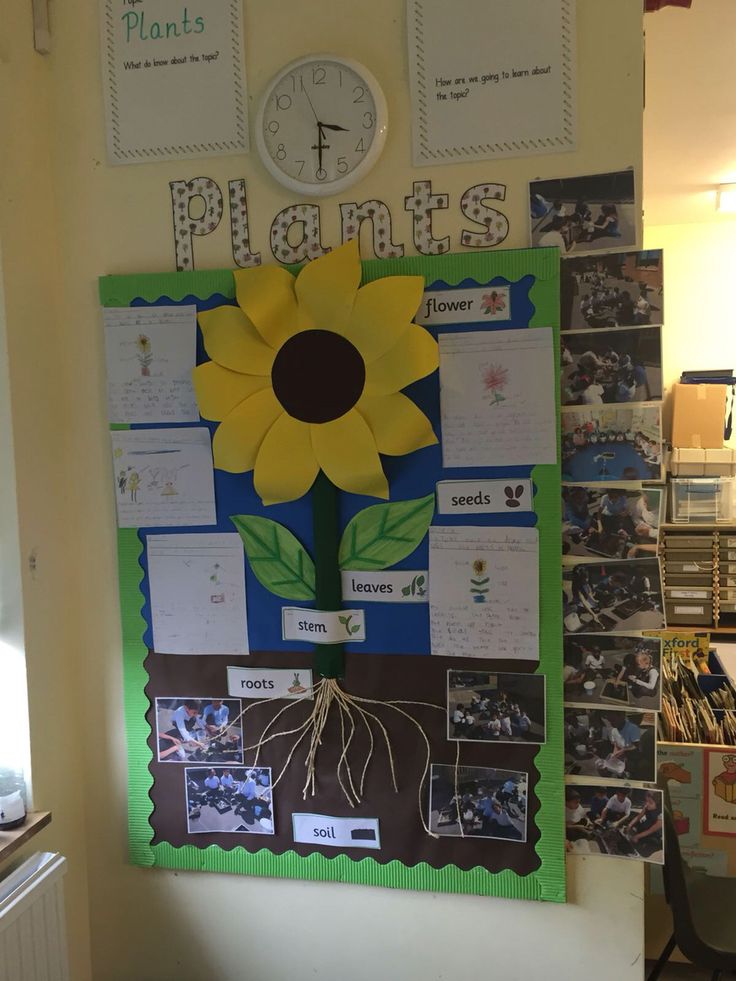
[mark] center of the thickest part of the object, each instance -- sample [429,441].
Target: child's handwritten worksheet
[484,592]
[163,477]
[497,394]
[197,587]
[150,353]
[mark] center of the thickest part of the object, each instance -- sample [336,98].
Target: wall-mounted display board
[340,578]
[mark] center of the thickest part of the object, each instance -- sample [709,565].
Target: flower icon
[306,375]
[492,303]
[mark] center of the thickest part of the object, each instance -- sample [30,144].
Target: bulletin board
[394,664]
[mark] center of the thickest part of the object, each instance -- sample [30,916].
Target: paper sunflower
[306,374]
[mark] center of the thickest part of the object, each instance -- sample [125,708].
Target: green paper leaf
[384,534]
[278,560]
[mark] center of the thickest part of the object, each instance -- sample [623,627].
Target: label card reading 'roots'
[269,682]
[322,626]
[484,496]
[321,829]
[405,586]
[459,306]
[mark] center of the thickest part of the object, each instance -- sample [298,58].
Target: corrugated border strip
[548,882]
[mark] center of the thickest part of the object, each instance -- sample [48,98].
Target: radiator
[32,921]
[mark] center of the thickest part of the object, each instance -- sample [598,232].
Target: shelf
[691,526]
[10,841]
[703,628]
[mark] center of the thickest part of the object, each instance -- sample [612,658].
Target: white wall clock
[321,124]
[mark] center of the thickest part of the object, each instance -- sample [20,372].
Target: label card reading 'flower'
[484,592]
[150,354]
[163,477]
[497,394]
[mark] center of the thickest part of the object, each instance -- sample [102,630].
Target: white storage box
[719,463]
[686,462]
[701,500]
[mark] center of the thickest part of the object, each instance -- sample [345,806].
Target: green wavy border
[548,882]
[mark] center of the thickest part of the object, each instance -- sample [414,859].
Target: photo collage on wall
[284,716]
[613,502]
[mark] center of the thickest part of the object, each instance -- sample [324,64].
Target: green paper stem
[329,659]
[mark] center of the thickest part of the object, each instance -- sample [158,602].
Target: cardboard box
[698,415]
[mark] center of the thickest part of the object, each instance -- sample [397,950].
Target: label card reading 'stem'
[163,477]
[484,592]
[269,682]
[497,395]
[459,306]
[340,832]
[150,353]
[322,626]
[484,496]
[405,586]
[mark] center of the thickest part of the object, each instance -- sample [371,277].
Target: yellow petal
[266,296]
[414,356]
[232,341]
[398,426]
[218,390]
[326,289]
[240,434]
[286,465]
[346,451]
[382,312]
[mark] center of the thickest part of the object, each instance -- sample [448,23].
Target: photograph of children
[584,214]
[621,289]
[623,822]
[500,708]
[223,800]
[613,597]
[199,730]
[611,366]
[612,522]
[605,670]
[611,444]
[610,744]
[478,802]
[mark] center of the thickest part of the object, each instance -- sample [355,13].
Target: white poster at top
[491,80]
[173,79]
[497,395]
[150,354]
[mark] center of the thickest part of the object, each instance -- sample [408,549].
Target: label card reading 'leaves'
[404,586]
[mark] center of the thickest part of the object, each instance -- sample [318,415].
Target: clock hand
[312,107]
[332,126]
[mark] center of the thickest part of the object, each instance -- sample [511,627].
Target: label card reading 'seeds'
[391,586]
[322,626]
[484,496]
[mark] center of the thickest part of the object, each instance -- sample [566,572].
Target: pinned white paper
[150,353]
[497,394]
[484,496]
[339,832]
[197,586]
[163,477]
[407,586]
[322,626]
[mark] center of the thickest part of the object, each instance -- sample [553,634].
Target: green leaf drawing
[355,629]
[406,590]
[384,534]
[343,620]
[279,561]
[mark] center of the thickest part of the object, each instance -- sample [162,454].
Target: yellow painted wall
[700,320]
[155,926]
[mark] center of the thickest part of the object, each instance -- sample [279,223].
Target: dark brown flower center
[318,376]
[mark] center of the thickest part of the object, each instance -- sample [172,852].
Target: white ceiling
[690,114]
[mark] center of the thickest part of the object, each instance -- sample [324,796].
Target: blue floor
[584,467]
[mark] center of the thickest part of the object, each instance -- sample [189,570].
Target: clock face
[322,124]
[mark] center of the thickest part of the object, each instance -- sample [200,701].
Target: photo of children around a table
[620,289]
[501,708]
[223,800]
[611,444]
[592,213]
[612,597]
[611,744]
[613,670]
[478,802]
[199,730]
[621,822]
[610,522]
[611,366]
